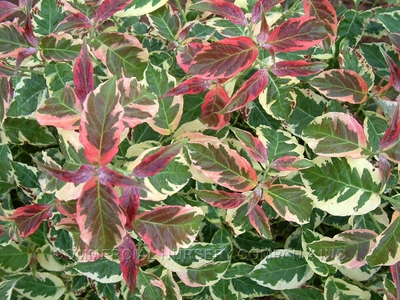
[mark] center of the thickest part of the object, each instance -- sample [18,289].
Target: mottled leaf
[291,163]
[14,257]
[45,286]
[48,16]
[297,68]
[28,218]
[166,22]
[186,54]
[141,7]
[336,288]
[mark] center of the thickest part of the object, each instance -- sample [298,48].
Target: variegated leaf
[101,270]
[336,288]
[216,99]
[193,85]
[83,74]
[60,47]
[28,218]
[45,286]
[6,9]
[297,68]
[263,5]
[252,144]
[336,134]
[129,202]
[150,286]
[167,22]
[291,163]
[14,257]
[259,220]
[128,258]
[165,229]
[74,21]
[141,7]
[186,54]
[108,8]
[221,199]
[12,40]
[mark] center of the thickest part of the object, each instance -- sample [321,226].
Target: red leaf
[262,37]
[128,261]
[129,202]
[154,163]
[67,208]
[101,123]
[290,163]
[394,71]
[30,36]
[296,34]
[83,74]
[297,68]
[186,54]
[214,101]
[108,8]
[324,11]
[259,220]
[108,176]
[28,218]
[225,58]
[392,134]
[24,53]
[384,169]
[395,271]
[260,6]
[252,144]
[222,8]
[222,199]
[248,92]
[6,9]
[101,220]
[193,85]
[73,22]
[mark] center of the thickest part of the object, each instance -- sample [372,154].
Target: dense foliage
[207,149]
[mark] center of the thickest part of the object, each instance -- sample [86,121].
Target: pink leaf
[297,68]
[222,8]
[193,85]
[24,53]
[30,36]
[262,37]
[392,134]
[128,261]
[108,176]
[394,71]
[101,123]
[222,199]
[101,221]
[252,144]
[108,8]
[155,163]
[216,99]
[291,163]
[186,54]
[225,58]
[259,220]
[74,21]
[6,9]
[248,92]
[262,6]
[129,202]
[296,34]
[83,74]
[28,218]
[67,208]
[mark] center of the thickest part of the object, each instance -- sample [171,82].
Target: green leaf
[343,187]
[224,290]
[141,7]
[351,27]
[12,40]
[281,270]
[14,257]
[166,22]
[388,16]
[336,288]
[375,126]
[5,163]
[101,270]
[58,75]
[150,286]
[6,288]
[25,175]
[44,286]
[60,47]
[48,16]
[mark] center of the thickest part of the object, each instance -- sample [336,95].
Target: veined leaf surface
[336,134]
[165,229]
[336,288]
[14,257]
[74,21]
[108,8]
[12,40]
[222,199]
[223,165]
[341,85]
[186,53]
[101,123]
[7,9]
[252,144]
[128,257]
[28,218]
[262,5]
[141,7]
[44,286]
[167,23]
[60,47]
[297,68]
[83,74]
[260,222]
[225,58]
[214,101]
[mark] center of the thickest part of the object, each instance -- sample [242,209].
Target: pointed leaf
[12,40]
[248,92]
[214,101]
[59,47]
[73,22]
[252,144]
[165,229]
[225,58]
[59,75]
[262,6]
[14,258]
[110,177]
[28,30]
[129,202]
[83,74]
[128,258]
[166,22]
[291,163]
[262,37]
[49,14]
[297,68]
[6,71]
[108,8]
[101,221]
[221,199]
[101,124]
[260,222]
[193,85]
[154,163]
[336,288]
[291,202]
[222,165]
[6,9]
[336,134]
[44,286]
[28,218]
[222,8]
[150,286]
[392,133]
[186,54]
[296,34]
[141,7]
[341,85]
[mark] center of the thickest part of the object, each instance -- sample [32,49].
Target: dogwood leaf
[12,40]
[28,218]
[141,7]
[259,220]
[193,85]
[186,53]
[260,6]
[167,23]
[14,257]
[74,21]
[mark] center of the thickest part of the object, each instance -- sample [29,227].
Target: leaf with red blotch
[129,202]
[12,40]
[394,71]
[156,162]
[259,220]
[67,208]
[225,58]
[392,133]
[101,123]
[297,68]
[7,9]
[74,21]
[324,11]
[128,261]
[291,163]
[341,85]
[221,199]
[296,34]
[185,55]
[262,6]
[193,85]
[108,8]
[222,8]
[24,53]
[384,169]
[6,71]
[166,229]
[83,174]
[28,30]
[248,92]
[107,176]
[216,99]
[83,74]
[251,144]
[100,218]
[28,218]
[262,36]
